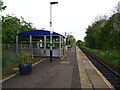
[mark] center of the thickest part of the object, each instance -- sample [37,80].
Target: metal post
[45,45]
[60,45]
[16,44]
[64,41]
[50,32]
[31,51]
[51,29]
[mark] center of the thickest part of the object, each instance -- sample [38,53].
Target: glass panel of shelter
[55,42]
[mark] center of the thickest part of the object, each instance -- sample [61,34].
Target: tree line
[104,34]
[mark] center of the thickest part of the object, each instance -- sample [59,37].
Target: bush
[25,58]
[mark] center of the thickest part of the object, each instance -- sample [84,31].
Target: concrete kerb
[18,72]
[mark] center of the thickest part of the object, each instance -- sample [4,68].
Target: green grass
[10,61]
[6,72]
[108,55]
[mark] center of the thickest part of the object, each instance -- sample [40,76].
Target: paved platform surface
[73,71]
[57,74]
[89,74]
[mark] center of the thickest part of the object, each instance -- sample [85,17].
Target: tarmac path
[57,74]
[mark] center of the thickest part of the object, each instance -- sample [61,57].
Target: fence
[9,56]
[36,49]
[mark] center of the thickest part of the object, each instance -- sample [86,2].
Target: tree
[110,34]
[117,8]
[91,39]
[80,43]
[104,34]
[70,40]
[2,7]
[11,25]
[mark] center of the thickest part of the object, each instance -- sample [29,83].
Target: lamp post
[51,3]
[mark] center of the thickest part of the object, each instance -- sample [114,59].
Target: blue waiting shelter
[37,43]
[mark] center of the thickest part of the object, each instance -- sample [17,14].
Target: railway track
[110,75]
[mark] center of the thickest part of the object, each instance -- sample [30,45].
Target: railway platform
[90,77]
[72,71]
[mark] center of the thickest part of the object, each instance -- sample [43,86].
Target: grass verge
[108,55]
[8,71]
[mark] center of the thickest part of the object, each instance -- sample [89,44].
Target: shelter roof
[38,33]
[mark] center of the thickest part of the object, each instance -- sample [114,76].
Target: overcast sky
[71,16]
